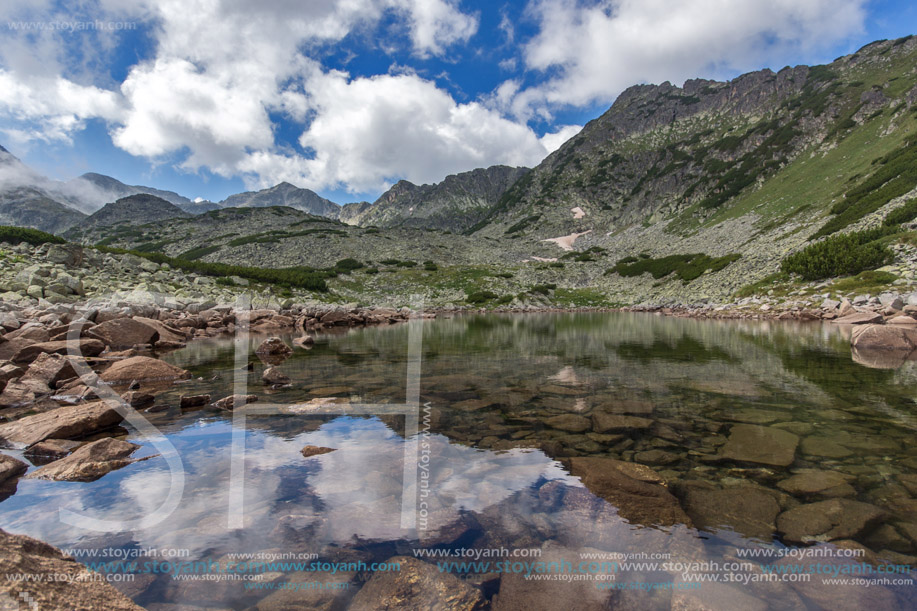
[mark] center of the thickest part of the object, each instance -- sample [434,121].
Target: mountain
[351,213]
[691,156]
[123,216]
[25,207]
[284,194]
[24,203]
[455,204]
[113,189]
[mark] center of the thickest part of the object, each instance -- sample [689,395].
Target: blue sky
[209,98]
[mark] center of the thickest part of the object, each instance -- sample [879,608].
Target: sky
[346,97]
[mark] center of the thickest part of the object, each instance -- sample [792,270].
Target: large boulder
[761,445]
[85,347]
[894,338]
[59,582]
[635,490]
[61,423]
[124,333]
[89,462]
[603,422]
[143,369]
[417,585]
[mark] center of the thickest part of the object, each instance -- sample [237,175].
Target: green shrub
[904,214]
[389,261]
[17,235]
[842,255]
[430,266]
[687,267]
[479,297]
[407,264]
[371,270]
[198,253]
[348,264]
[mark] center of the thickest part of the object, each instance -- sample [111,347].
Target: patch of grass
[864,282]
[542,289]
[764,285]
[348,265]
[841,255]
[687,267]
[896,176]
[18,235]
[521,225]
[581,298]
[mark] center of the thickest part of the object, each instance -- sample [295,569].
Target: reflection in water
[759,431]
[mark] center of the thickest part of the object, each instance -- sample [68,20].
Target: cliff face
[456,203]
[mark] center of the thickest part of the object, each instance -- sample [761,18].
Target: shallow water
[491,390]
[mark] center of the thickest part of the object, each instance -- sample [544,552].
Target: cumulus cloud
[598,48]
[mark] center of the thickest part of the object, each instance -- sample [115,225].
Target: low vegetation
[842,255]
[18,235]
[687,267]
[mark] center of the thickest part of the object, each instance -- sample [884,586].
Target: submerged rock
[760,444]
[826,483]
[748,510]
[893,338]
[63,422]
[828,520]
[89,462]
[73,586]
[569,422]
[233,401]
[603,422]
[635,490]
[417,585]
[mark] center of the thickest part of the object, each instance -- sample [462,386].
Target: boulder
[60,583]
[137,399]
[828,520]
[143,369]
[89,462]
[10,468]
[417,585]
[70,255]
[233,401]
[273,346]
[124,333]
[813,481]
[859,318]
[569,422]
[760,444]
[310,451]
[61,423]
[603,422]
[9,348]
[49,369]
[893,338]
[748,510]
[166,334]
[33,331]
[272,375]
[187,401]
[304,342]
[50,449]
[85,347]
[902,320]
[633,489]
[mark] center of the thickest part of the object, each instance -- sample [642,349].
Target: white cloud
[601,48]
[367,132]
[436,24]
[554,140]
